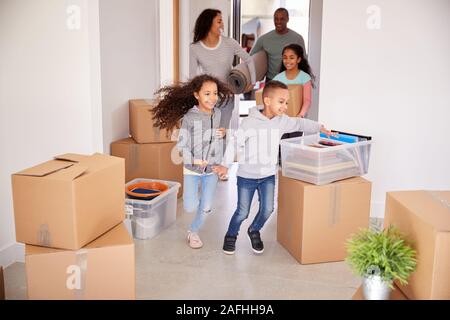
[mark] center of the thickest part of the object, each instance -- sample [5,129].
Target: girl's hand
[300,115]
[201,163]
[221,171]
[327,132]
[221,132]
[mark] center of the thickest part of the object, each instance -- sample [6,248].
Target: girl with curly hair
[197,104]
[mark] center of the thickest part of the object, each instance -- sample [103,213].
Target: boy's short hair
[272,85]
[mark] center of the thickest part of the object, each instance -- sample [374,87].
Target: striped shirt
[218,61]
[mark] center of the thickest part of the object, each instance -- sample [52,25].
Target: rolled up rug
[239,76]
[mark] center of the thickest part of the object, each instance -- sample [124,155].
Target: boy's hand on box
[327,132]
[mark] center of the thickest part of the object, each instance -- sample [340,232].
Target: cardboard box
[141,123]
[68,202]
[295,99]
[104,269]
[396,294]
[424,218]
[149,160]
[2,285]
[314,222]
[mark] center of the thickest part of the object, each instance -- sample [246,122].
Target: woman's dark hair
[176,100]
[204,23]
[303,65]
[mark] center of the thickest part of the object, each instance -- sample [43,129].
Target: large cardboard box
[295,99]
[314,222]
[104,269]
[68,202]
[150,160]
[2,285]
[424,218]
[141,123]
[396,294]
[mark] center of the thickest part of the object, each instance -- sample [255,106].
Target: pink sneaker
[194,240]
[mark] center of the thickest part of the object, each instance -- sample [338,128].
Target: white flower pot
[375,288]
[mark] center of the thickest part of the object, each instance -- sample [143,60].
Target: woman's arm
[241,53]
[193,62]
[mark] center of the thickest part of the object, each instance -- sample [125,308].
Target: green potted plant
[380,257]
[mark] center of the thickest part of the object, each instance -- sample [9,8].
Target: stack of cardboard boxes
[69,212]
[314,222]
[424,218]
[150,153]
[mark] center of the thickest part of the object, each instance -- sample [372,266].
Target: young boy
[257,143]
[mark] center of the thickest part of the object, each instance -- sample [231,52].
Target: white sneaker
[194,240]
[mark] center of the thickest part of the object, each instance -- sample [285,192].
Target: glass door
[253,18]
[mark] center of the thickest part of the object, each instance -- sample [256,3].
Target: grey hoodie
[197,139]
[257,142]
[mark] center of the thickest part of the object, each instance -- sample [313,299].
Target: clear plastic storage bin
[309,159]
[150,217]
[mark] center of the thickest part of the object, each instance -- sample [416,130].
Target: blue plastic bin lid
[346,137]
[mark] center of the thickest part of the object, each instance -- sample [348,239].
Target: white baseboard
[14,252]
[377,209]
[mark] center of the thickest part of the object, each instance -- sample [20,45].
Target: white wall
[129,60]
[50,100]
[392,83]
[314,52]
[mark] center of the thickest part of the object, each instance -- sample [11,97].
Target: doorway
[253,18]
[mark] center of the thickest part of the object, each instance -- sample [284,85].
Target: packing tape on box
[335,204]
[81,261]
[436,196]
[156,134]
[133,158]
[156,130]
[44,238]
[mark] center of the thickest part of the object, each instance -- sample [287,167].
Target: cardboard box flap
[33,250]
[70,173]
[125,141]
[354,180]
[45,168]
[151,102]
[117,236]
[142,103]
[433,207]
[73,157]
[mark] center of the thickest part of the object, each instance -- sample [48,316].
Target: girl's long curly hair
[173,102]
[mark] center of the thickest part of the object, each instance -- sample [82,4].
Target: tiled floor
[166,268]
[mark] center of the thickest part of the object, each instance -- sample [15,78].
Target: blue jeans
[246,190]
[191,197]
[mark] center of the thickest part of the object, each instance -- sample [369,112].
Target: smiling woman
[212,53]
